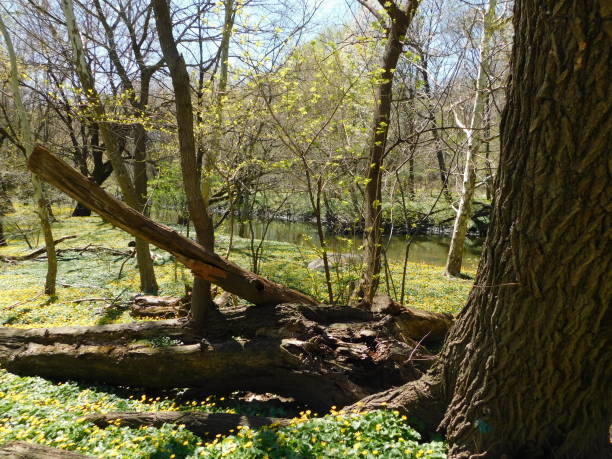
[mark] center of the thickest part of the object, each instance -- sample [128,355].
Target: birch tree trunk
[472,131]
[526,369]
[28,144]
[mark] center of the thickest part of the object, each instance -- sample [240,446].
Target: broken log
[430,326]
[23,450]
[34,254]
[166,307]
[323,355]
[205,425]
[210,266]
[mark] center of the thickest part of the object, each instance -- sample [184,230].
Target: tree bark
[204,264]
[322,355]
[23,450]
[526,368]
[101,169]
[3,242]
[201,303]
[399,21]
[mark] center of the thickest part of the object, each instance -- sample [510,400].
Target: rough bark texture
[204,264]
[323,355]
[526,369]
[205,425]
[399,22]
[23,450]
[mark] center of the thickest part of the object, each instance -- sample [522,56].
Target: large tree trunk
[526,369]
[323,355]
[204,264]
[399,21]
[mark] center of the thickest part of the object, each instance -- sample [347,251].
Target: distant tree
[27,144]
[473,130]
[132,189]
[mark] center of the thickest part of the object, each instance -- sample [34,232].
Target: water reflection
[430,249]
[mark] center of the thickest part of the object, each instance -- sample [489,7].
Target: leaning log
[323,355]
[23,450]
[205,425]
[210,266]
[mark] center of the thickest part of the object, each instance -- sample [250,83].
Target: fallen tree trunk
[33,254]
[23,450]
[159,306]
[205,425]
[323,355]
[204,264]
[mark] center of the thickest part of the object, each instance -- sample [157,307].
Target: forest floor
[37,410]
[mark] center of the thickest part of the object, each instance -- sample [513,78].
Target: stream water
[431,249]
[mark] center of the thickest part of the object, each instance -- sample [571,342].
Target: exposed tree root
[422,399]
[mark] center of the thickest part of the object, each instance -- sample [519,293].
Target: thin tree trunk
[28,143]
[3,242]
[202,302]
[464,211]
[444,175]
[370,277]
[128,188]
[526,368]
[487,149]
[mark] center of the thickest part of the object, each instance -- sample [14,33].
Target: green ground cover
[37,410]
